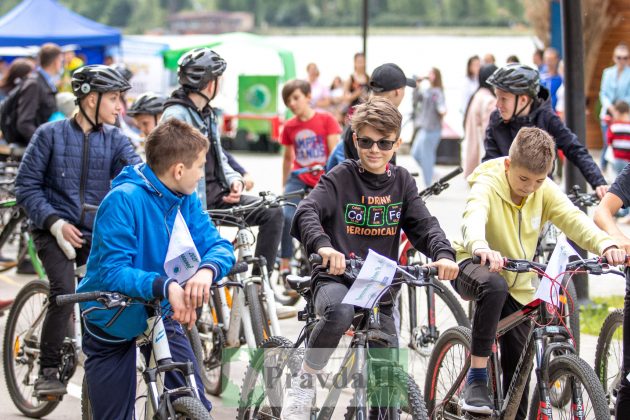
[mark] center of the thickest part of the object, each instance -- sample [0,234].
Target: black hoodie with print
[353,210]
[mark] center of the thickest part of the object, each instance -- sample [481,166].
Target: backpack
[8,116]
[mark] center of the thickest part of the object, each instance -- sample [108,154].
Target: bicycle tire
[190,408]
[251,399]
[14,217]
[207,342]
[13,346]
[412,400]
[456,336]
[570,364]
[260,322]
[612,325]
[574,317]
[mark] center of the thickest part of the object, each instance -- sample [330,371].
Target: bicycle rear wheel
[608,356]
[448,366]
[587,395]
[21,348]
[265,379]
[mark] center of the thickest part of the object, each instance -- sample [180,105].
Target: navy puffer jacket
[499,137]
[63,170]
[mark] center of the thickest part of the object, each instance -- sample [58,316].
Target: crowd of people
[88,159]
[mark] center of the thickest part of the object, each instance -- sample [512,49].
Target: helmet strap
[95,125]
[155,118]
[516,113]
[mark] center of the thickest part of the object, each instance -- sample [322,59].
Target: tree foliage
[140,15]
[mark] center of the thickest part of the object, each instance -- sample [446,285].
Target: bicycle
[21,347]
[233,317]
[435,310]
[389,387]
[548,337]
[609,356]
[179,403]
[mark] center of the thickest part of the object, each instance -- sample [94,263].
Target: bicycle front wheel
[265,379]
[21,348]
[190,408]
[608,356]
[448,366]
[392,394]
[260,321]
[587,401]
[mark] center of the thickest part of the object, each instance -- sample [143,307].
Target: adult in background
[17,72]
[615,86]
[320,93]
[36,102]
[357,84]
[537,59]
[429,121]
[476,118]
[551,79]
[471,82]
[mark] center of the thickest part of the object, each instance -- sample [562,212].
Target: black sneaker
[476,398]
[48,383]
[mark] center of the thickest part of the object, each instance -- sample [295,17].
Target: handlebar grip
[77,297]
[315,259]
[239,267]
[476,260]
[429,271]
[451,175]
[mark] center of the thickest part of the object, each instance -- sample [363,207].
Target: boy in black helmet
[522,102]
[199,76]
[65,173]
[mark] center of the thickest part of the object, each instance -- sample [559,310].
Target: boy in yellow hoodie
[510,199]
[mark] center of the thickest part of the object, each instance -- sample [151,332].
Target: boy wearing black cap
[387,81]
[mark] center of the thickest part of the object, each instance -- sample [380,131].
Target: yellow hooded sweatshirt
[492,220]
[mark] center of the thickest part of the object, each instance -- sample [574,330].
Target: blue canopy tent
[35,22]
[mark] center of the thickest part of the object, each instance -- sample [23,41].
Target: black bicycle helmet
[198,67]
[147,103]
[97,78]
[123,70]
[517,79]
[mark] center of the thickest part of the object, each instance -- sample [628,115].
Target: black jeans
[622,410]
[60,272]
[492,303]
[336,318]
[269,222]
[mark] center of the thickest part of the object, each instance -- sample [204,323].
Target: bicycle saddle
[299,283]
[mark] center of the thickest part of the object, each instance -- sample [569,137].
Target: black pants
[492,303]
[111,373]
[622,410]
[60,272]
[335,318]
[269,222]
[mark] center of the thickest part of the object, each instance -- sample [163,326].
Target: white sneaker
[298,401]
[284,312]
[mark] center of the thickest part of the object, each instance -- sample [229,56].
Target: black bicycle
[390,391]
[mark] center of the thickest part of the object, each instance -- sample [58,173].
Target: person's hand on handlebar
[494,258]
[615,256]
[447,269]
[236,189]
[181,313]
[335,260]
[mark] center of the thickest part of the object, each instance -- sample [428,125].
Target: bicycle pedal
[476,416]
[48,398]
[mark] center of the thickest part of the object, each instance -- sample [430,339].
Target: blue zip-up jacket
[64,169]
[131,237]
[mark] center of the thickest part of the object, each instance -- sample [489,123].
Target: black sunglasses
[622,57]
[367,143]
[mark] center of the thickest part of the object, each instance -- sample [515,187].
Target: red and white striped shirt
[619,138]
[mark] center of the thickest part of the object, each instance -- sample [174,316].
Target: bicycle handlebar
[582,199]
[414,270]
[595,266]
[440,185]
[267,199]
[239,267]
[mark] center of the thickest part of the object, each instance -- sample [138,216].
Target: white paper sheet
[182,258]
[547,291]
[377,273]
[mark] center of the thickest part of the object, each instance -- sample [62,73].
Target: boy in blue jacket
[134,226]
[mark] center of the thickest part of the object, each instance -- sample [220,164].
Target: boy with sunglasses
[308,139]
[359,205]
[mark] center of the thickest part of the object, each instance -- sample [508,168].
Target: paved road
[267,172]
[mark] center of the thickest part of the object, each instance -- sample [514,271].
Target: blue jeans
[424,150]
[286,245]
[110,370]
